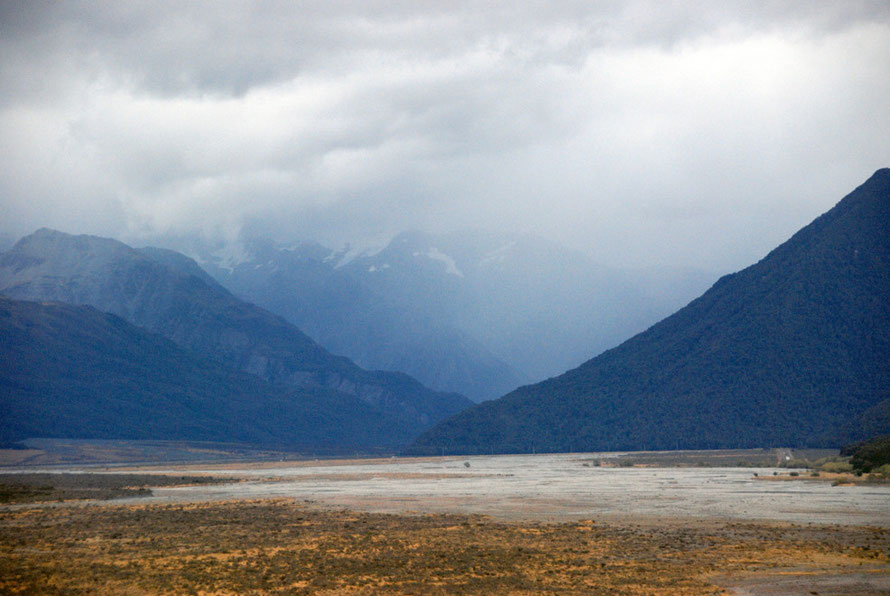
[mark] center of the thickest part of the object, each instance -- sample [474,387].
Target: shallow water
[551,487]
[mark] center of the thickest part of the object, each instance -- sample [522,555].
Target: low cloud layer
[639,132]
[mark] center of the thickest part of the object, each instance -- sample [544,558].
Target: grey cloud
[231,47]
[630,130]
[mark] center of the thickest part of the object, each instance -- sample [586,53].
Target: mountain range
[76,372]
[102,340]
[792,351]
[168,294]
[304,285]
[474,312]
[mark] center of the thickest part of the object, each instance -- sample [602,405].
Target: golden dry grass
[284,547]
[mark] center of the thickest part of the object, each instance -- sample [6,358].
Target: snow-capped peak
[350,253]
[227,257]
[437,255]
[498,255]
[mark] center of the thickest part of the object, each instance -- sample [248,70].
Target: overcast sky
[699,134]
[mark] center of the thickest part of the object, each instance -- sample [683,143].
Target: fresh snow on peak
[230,256]
[437,255]
[498,255]
[349,253]
[227,257]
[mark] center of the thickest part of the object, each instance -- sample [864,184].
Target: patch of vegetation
[282,547]
[42,487]
[718,458]
[835,467]
[880,473]
[869,455]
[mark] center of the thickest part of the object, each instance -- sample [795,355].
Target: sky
[692,134]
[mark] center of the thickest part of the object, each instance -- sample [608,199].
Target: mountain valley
[792,351]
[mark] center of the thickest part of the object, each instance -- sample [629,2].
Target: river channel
[548,488]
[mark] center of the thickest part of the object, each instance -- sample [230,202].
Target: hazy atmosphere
[571,297]
[640,133]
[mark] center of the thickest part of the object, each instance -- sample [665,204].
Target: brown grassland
[282,546]
[46,487]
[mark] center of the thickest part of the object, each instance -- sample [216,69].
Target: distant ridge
[792,351]
[339,310]
[472,311]
[76,372]
[167,293]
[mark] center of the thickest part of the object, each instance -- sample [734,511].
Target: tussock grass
[285,547]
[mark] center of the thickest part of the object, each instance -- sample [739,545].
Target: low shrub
[882,471]
[797,463]
[836,467]
[869,455]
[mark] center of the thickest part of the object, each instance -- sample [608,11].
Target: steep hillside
[167,298]
[75,372]
[534,304]
[475,312]
[342,313]
[791,351]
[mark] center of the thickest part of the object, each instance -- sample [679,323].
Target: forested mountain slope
[169,297]
[75,372]
[792,351]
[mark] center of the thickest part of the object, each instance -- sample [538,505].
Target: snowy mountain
[536,305]
[166,293]
[790,351]
[472,312]
[309,286]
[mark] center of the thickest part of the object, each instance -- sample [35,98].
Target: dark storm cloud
[640,132]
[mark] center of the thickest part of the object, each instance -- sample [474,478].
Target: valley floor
[283,546]
[571,523]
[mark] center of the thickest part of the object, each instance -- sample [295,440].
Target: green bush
[797,463]
[869,455]
[882,471]
[836,467]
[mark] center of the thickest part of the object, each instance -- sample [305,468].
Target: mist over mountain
[305,285]
[6,242]
[475,312]
[172,297]
[535,304]
[791,351]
